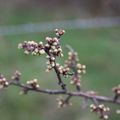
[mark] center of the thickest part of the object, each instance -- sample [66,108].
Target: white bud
[53,47]
[47,45]
[78,65]
[55,43]
[47,56]
[37,86]
[36,50]
[106,117]
[6,83]
[41,43]
[26,52]
[61,55]
[83,66]
[55,50]
[33,53]
[35,80]
[19,46]
[42,51]
[53,64]
[53,58]
[79,71]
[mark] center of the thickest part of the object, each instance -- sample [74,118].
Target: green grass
[98,49]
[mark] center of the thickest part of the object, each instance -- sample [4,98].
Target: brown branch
[60,82]
[63,86]
[72,94]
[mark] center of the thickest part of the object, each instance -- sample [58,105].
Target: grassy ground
[98,49]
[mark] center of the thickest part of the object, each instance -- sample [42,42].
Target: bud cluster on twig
[62,102]
[116,90]
[101,109]
[77,69]
[3,82]
[33,83]
[32,47]
[72,68]
[16,76]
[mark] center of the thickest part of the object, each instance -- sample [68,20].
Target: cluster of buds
[50,63]
[3,82]
[33,83]
[116,90]
[78,69]
[62,103]
[59,32]
[64,70]
[101,110]
[16,76]
[31,47]
[73,62]
[53,46]
[76,80]
[53,49]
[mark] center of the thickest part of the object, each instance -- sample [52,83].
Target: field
[98,49]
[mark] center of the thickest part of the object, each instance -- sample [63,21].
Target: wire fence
[67,24]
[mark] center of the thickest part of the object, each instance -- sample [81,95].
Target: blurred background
[92,29]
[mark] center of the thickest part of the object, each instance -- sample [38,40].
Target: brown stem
[67,99]
[60,82]
[63,86]
[72,94]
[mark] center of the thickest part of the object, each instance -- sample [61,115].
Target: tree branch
[71,67]
[62,92]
